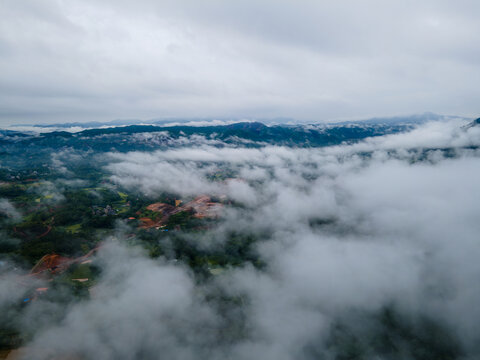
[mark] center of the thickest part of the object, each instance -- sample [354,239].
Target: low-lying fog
[376,240]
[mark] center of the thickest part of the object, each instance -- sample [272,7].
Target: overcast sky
[88,60]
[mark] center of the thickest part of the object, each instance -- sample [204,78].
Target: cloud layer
[348,231]
[82,60]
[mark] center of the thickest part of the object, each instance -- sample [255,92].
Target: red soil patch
[55,263]
[202,207]
[147,223]
[161,208]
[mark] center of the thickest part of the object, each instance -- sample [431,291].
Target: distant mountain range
[156,122]
[252,134]
[417,119]
[142,137]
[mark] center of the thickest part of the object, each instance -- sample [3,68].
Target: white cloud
[342,232]
[7,209]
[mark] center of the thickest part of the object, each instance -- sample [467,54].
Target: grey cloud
[309,60]
[7,209]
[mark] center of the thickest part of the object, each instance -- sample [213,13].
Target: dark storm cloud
[85,60]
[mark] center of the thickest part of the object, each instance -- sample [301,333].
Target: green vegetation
[74,229]
[87,211]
